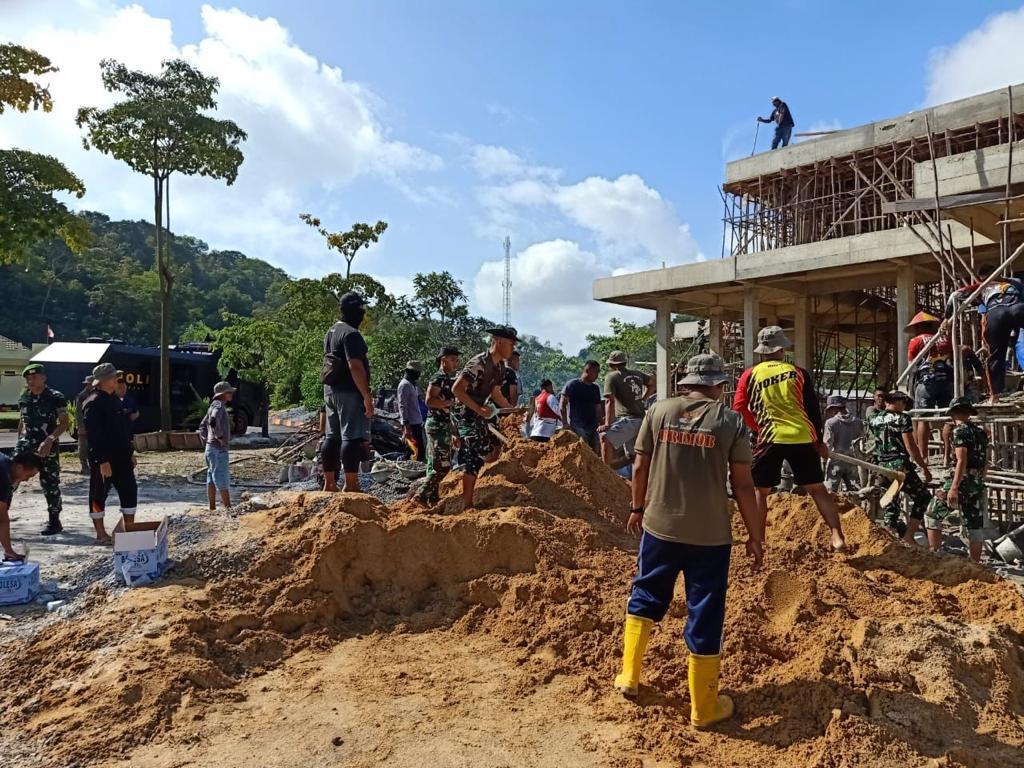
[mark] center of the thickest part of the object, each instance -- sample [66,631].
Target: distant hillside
[111,288]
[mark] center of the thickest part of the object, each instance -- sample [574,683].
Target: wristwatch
[636,511]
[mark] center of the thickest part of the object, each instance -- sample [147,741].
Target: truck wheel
[240,423]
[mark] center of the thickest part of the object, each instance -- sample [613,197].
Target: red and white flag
[49,333]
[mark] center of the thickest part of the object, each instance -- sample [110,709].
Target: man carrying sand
[778,401]
[965,489]
[687,449]
[479,381]
[895,445]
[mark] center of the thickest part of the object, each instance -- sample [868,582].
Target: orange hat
[923,318]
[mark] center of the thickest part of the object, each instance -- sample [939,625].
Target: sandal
[105,542]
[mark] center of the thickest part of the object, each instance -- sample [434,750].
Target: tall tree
[160,129]
[349,243]
[28,210]
[439,292]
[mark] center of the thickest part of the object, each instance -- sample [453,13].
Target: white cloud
[492,162]
[551,288]
[310,130]
[986,58]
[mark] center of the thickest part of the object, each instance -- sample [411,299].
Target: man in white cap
[779,403]
[688,451]
[215,429]
[783,120]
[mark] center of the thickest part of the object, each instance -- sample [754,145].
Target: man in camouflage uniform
[439,428]
[895,446]
[44,418]
[479,381]
[965,489]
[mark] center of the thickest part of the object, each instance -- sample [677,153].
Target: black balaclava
[412,375]
[353,315]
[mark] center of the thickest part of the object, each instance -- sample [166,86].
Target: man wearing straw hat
[964,490]
[688,451]
[778,401]
[215,429]
[933,377]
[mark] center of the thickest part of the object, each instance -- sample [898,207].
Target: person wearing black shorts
[779,403]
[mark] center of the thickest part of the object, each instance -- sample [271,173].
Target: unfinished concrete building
[842,238]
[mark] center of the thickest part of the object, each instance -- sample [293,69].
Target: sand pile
[882,657]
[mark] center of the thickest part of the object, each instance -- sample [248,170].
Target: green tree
[637,341]
[349,243]
[440,293]
[29,212]
[159,129]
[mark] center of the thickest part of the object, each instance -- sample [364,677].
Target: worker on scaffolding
[783,120]
[1001,306]
[933,375]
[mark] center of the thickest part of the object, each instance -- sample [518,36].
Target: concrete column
[751,323]
[663,342]
[803,335]
[906,304]
[715,331]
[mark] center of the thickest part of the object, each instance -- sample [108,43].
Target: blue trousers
[782,134]
[706,576]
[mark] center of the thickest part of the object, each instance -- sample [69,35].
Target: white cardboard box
[19,583]
[140,555]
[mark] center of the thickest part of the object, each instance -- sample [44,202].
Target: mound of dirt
[885,656]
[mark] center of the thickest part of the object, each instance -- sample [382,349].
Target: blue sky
[593,133]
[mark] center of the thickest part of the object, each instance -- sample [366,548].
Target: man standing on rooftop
[783,120]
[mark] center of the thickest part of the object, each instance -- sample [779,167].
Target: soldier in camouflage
[479,381]
[44,418]
[965,489]
[895,446]
[439,428]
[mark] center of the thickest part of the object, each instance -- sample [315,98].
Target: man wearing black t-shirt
[582,407]
[13,471]
[348,401]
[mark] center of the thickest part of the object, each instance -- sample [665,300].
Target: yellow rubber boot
[707,707]
[637,631]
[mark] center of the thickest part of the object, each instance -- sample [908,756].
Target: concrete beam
[969,171]
[906,306]
[955,114]
[715,332]
[663,341]
[751,323]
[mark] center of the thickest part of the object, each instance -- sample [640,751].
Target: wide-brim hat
[104,371]
[772,339]
[923,318]
[414,365]
[962,404]
[87,380]
[835,401]
[223,388]
[898,394]
[504,332]
[705,370]
[618,357]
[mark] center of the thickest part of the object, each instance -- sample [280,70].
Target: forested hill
[110,289]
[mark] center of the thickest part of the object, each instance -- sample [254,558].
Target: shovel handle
[497,433]
[895,474]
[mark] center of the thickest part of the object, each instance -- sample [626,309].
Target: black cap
[351,300]
[445,351]
[504,332]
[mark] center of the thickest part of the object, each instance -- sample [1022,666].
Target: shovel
[497,433]
[897,476]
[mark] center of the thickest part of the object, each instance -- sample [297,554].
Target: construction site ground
[309,629]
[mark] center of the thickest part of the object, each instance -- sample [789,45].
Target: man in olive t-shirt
[684,449]
[624,392]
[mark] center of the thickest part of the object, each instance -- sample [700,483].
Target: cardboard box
[140,555]
[19,583]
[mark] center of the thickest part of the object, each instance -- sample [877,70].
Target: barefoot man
[778,401]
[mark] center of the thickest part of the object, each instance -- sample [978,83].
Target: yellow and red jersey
[778,402]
